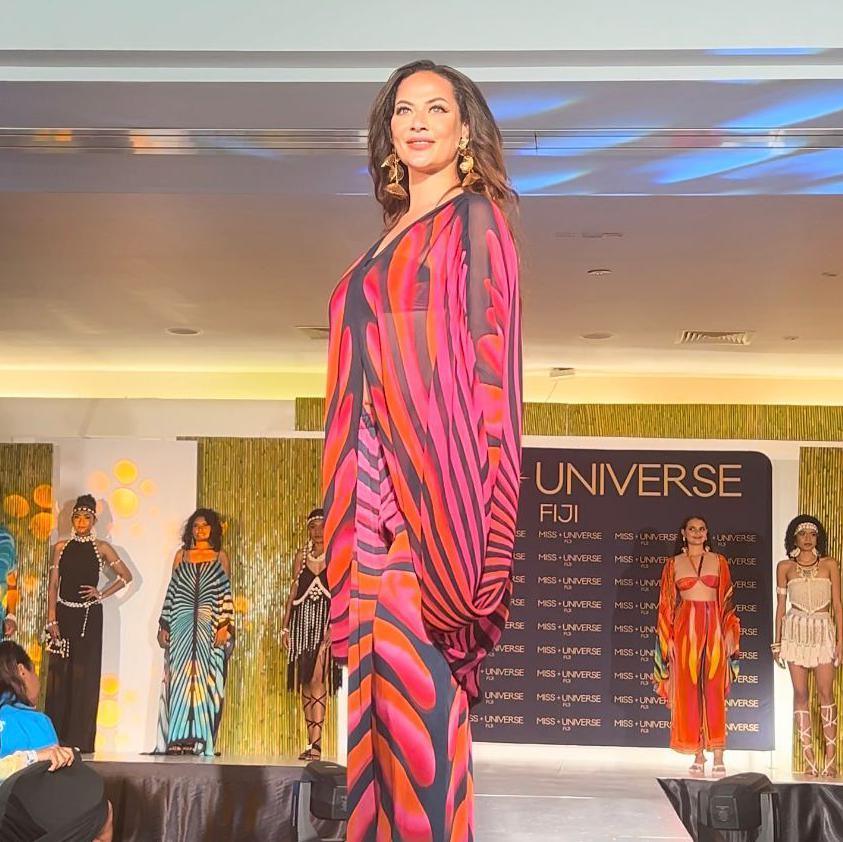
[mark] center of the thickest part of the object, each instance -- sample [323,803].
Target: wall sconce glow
[708,162]
[518,107]
[809,105]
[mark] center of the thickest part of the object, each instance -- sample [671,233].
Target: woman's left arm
[837,607]
[121,571]
[729,622]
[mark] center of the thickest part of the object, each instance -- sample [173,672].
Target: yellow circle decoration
[43,496]
[109,714]
[148,487]
[110,685]
[98,483]
[42,524]
[126,471]
[125,502]
[16,506]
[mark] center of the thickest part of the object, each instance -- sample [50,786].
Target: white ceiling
[101,252]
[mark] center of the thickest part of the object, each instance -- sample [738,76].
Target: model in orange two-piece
[698,639]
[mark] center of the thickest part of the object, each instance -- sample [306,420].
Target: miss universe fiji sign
[594,527]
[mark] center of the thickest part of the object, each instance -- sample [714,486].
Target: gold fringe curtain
[721,421]
[821,495]
[26,493]
[263,489]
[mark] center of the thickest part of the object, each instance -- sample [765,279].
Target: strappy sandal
[828,715]
[718,770]
[697,768]
[805,740]
[314,749]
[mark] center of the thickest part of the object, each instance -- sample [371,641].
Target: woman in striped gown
[422,455]
[196,631]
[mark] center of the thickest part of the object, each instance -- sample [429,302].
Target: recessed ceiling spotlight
[183,331]
[829,274]
[599,272]
[790,338]
[562,371]
[596,336]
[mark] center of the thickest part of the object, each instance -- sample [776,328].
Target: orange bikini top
[710,580]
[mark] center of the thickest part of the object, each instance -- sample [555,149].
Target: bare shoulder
[785,564]
[178,557]
[830,563]
[104,547]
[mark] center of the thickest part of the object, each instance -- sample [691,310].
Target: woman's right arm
[781,602]
[57,755]
[53,592]
[164,619]
[288,608]
[664,630]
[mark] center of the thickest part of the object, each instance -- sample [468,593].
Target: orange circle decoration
[109,714]
[43,496]
[16,506]
[42,525]
[126,471]
[110,685]
[148,487]
[125,502]
[98,482]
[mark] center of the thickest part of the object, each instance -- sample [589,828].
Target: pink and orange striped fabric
[425,333]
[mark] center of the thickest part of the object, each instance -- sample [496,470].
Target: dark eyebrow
[429,102]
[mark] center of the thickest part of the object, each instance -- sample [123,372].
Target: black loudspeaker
[747,802]
[322,794]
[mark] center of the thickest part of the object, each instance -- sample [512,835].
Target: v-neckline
[376,251]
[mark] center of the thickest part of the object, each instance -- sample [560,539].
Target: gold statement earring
[396,174]
[470,177]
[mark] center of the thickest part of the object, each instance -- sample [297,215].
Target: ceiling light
[596,336]
[599,272]
[790,338]
[314,331]
[183,331]
[829,274]
[562,371]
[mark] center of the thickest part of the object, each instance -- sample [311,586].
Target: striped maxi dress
[198,603]
[421,477]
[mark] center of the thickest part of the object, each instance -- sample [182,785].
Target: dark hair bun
[86,501]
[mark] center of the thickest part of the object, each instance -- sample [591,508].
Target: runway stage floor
[523,794]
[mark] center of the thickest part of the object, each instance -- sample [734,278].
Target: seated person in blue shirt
[27,737]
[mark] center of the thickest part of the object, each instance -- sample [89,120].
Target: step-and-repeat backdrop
[594,528]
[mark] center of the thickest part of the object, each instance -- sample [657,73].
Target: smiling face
[82,522]
[201,530]
[426,125]
[695,533]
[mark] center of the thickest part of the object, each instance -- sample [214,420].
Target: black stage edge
[196,801]
[809,811]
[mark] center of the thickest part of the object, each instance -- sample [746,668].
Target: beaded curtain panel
[263,489]
[27,496]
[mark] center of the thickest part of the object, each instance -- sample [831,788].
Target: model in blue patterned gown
[196,630]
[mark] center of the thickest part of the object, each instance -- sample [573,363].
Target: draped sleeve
[730,624]
[471,462]
[664,630]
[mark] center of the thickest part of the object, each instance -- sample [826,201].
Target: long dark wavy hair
[679,547]
[213,520]
[11,655]
[484,136]
[790,534]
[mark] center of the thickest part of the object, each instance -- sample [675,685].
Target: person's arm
[729,622]
[164,618]
[663,652]
[225,563]
[837,608]
[781,604]
[225,626]
[288,608]
[122,573]
[10,623]
[58,756]
[53,592]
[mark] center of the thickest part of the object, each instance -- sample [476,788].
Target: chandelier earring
[395,176]
[466,165]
